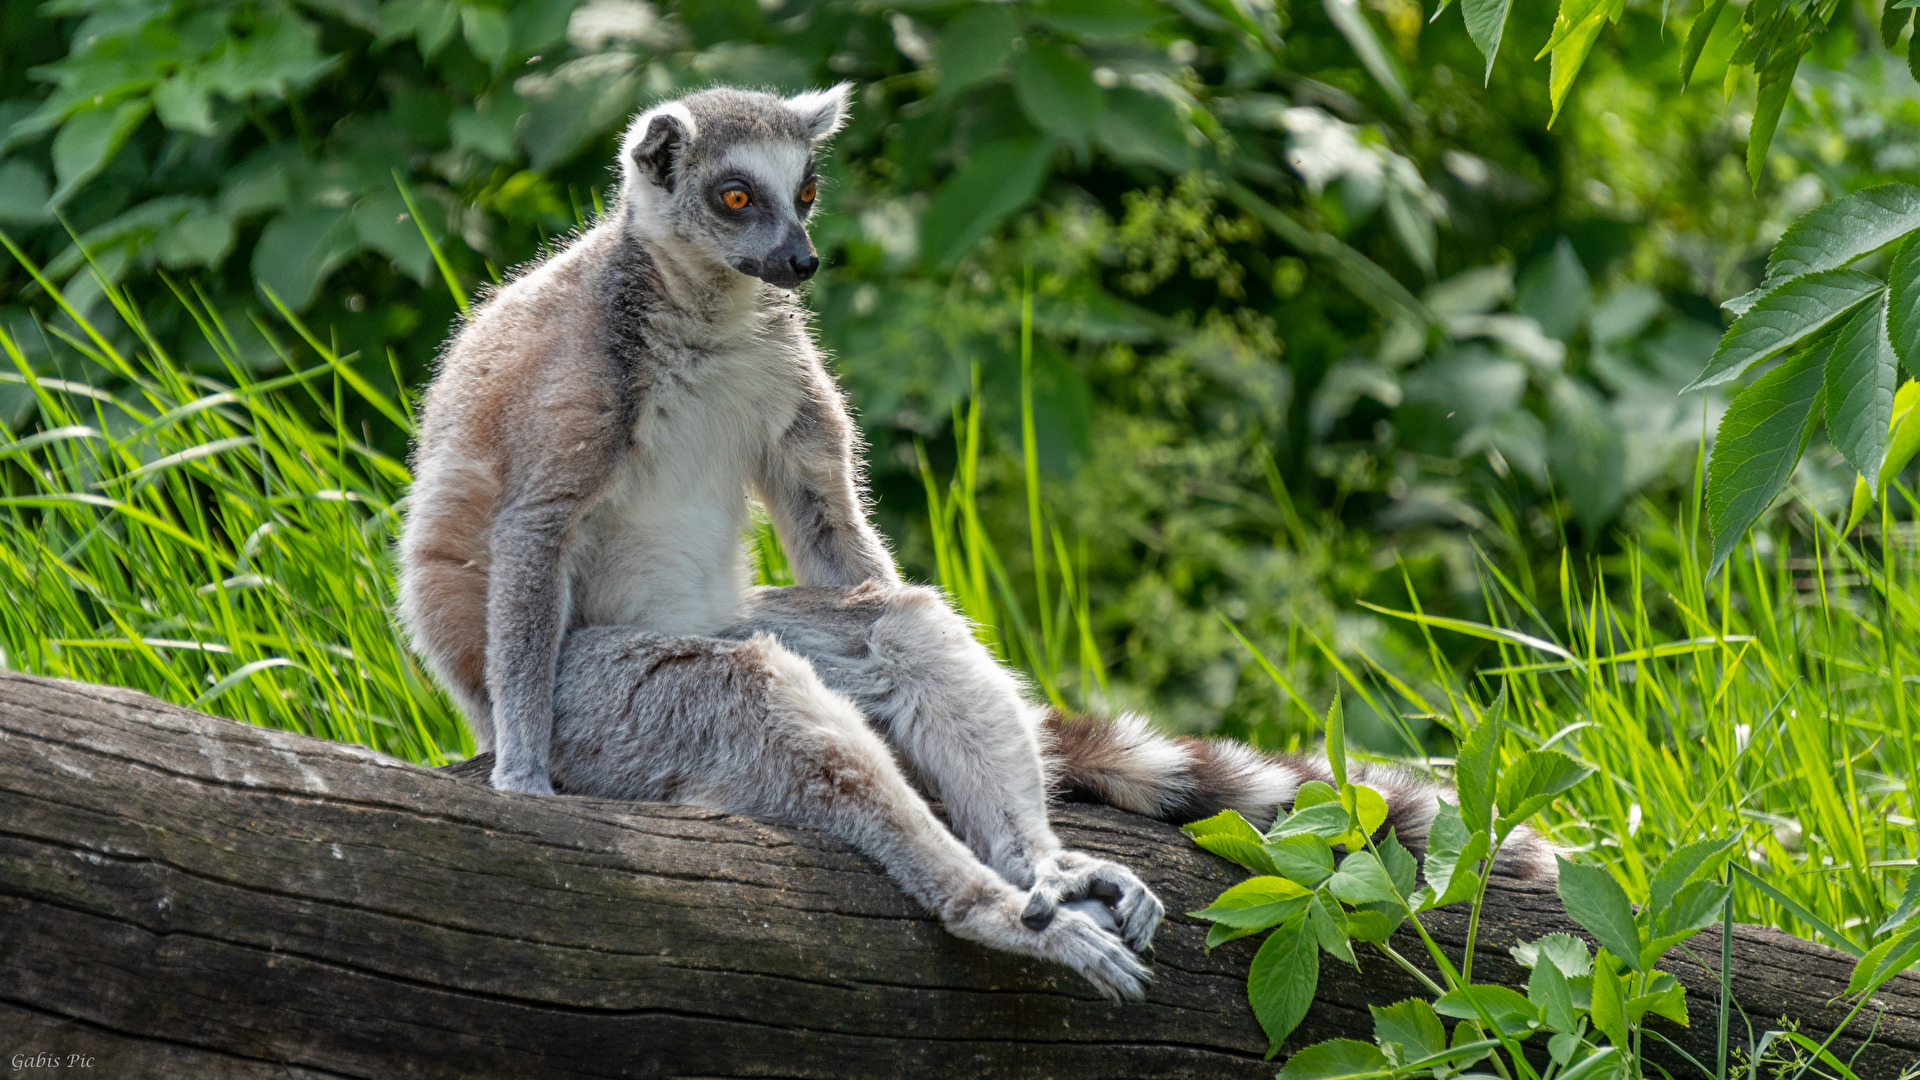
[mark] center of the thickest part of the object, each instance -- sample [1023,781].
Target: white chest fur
[663,550]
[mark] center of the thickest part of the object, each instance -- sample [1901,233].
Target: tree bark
[187,896]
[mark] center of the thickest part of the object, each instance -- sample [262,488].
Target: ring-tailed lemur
[573,569]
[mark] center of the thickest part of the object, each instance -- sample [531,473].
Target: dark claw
[1146,952]
[1039,913]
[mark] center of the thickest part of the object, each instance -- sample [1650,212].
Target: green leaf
[1512,1013]
[1586,450]
[1909,904]
[1365,806]
[382,222]
[1360,879]
[1256,903]
[184,105]
[298,250]
[88,141]
[1532,781]
[1329,820]
[1330,928]
[1599,1064]
[1568,56]
[1668,1000]
[1400,864]
[1893,22]
[1142,128]
[1841,231]
[1564,951]
[1231,836]
[1306,860]
[1787,315]
[1573,13]
[23,194]
[1486,22]
[975,46]
[1408,1030]
[1350,19]
[1760,440]
[1885,960]
[434,25]
[1692,909]
[1220,933]
[1776,82]
[1697,36]
[997,180]
[1315,793]
[488,33]
[1685,865]
[1451,855]
[1336,742]
[1902,443]
[1337,1059]
[1368,925]
[1056,90]
[1282,980]
[1474,767]
[1903,305]
[1609,1004]
[1859,391]
[1596,901]
[1547,990]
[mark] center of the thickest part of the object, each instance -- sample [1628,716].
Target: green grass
[225,541]
[222,543]
[1774,703]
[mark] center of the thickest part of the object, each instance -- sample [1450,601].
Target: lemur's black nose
[804,265]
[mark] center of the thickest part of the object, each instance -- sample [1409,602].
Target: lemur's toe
[1039,912]
[1099,911]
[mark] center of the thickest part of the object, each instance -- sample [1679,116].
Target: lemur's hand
[1105,891]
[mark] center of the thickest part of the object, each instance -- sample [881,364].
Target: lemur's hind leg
[914,667]
[747,726]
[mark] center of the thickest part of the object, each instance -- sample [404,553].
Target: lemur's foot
[1071,937]
[1106,892]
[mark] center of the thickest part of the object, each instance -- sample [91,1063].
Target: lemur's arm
[810,484]
[570,442]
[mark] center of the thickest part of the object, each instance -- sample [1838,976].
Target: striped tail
[1124,763]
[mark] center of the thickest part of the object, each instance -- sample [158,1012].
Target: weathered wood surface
[187,896]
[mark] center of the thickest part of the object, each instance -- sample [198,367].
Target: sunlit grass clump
[220,542]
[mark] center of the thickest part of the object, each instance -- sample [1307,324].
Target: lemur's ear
[822,112]
[656,142]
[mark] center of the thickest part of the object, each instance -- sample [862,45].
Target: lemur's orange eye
[806,193]
[735,199]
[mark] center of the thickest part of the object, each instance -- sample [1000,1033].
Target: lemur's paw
[1105,892]
[1097,953]
[526,783]
[1067,935]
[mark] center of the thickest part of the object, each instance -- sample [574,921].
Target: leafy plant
[1588,1002]
[1773,37]
[1842,336]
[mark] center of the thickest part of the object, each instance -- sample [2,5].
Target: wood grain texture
[187,896]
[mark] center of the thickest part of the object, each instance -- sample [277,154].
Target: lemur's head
[730,174]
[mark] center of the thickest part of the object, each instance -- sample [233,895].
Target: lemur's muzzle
[793,262]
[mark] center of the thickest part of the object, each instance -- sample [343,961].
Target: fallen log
[187,896]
